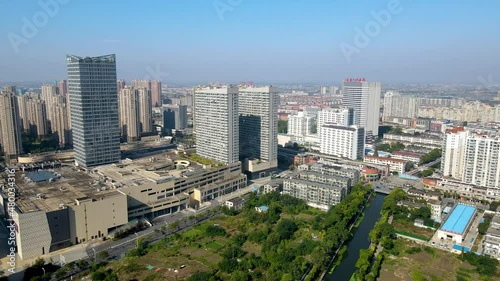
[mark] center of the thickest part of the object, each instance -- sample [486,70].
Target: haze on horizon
[266,41]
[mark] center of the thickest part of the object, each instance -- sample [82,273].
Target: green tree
[427,173]
[483,227]
[286,228]
[409,166]
[282,126]
[103,255]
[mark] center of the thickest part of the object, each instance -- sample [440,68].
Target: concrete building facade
[10,127]
[217,123]
[300,124]
[341,141]
[258,128]
[364,98]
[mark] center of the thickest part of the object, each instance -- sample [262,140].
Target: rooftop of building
[236,200]
[423,192]
[42,192]
[155,168]
[493,231]
[347,128]
[314,183]
[408,153]
[326,166]
[459,218]
[496,219]
[385,159]
[68,185]
[297,174]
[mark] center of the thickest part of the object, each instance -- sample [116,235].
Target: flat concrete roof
[47,196]
[153,168]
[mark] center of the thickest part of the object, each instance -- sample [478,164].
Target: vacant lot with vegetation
[411,261]
[289,241]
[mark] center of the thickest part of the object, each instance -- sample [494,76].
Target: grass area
[411,261]
[408,227]
[214,246]
[196,158]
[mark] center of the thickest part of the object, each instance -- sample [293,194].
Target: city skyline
[407,41]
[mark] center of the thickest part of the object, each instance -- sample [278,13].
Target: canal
[345,269]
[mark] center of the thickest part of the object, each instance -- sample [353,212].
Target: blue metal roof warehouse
[459,219]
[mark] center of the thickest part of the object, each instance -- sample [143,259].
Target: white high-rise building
[454,148]
[396,105]
[217,123]
[347,142]
[482,162]
[94,109]
[336,116]
[364,98]
[10,127]
[300,124]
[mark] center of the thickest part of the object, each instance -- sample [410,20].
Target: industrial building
[458,223]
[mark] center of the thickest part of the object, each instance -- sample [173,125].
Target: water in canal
[360,241]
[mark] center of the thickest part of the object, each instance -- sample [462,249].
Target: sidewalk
[70,254]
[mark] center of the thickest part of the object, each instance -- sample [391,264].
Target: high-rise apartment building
[342,141]
[60,122]
[37,117]
[94,109]
[482,161]
[156,93]
[364,98]
[454,148]
[258,110]
[130,125]
[217,123]
[62,88]
[301,124]
[10,126]
[336,116]
[48,93]
[22,103]
[154,86]
[174,117]
[396,105]
[120,84]
[145,110]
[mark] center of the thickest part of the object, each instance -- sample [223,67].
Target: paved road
[119,247]
[423,167]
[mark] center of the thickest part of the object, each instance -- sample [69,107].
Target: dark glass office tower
[94,109]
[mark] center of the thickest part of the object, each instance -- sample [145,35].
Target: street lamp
[43,270]
[95,255]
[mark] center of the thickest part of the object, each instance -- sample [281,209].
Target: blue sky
[258,40]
